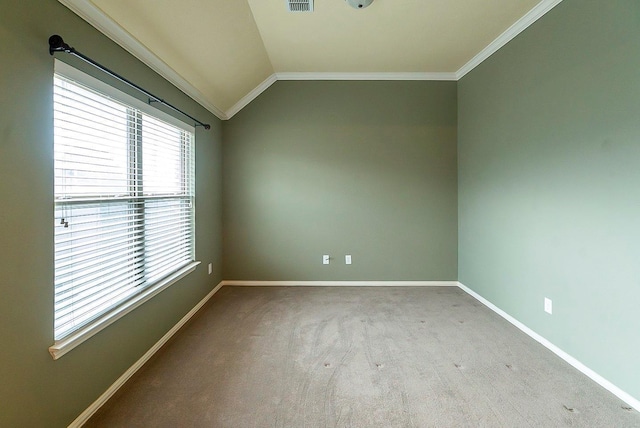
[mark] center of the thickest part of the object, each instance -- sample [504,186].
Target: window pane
[90,155]
[163,157]
[165,221]
[123,203]
[98,260]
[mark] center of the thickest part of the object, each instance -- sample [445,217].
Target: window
[124,200]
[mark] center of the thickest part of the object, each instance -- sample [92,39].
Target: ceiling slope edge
[95,17]
[332,76]
[509,34]
[367,76]
[251,96]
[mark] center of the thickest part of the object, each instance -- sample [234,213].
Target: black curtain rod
[56,44]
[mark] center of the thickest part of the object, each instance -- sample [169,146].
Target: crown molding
[101,22]
[510,33]
[251,96]
[366,76]
[330,76]
[98,19]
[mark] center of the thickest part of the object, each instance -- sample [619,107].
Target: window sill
[62,346]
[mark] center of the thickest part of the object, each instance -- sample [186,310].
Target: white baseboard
[84,416]
[627,398]
[340,283]
[93,408]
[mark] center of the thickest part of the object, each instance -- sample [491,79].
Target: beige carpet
[357,357]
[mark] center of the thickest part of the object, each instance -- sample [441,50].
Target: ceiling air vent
[300,5]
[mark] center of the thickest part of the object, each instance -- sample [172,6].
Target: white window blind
[124,202]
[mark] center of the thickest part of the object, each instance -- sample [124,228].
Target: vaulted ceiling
[224,53]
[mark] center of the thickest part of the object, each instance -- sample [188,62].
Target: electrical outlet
[210,268]
[548,305]
[325,259]
[347,259]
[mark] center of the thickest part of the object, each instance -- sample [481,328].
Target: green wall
[549,182]
[544,201]
[360,168]
[35,390]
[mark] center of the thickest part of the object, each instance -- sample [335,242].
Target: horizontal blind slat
[114,278]
[124,191]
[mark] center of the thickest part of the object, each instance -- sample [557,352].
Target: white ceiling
[224,53]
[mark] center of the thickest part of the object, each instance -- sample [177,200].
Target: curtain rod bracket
[57,44]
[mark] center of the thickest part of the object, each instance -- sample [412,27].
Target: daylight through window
[124,202]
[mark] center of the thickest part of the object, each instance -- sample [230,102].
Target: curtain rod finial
[56,44]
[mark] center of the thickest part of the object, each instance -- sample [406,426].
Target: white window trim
[72,73]
[62,346]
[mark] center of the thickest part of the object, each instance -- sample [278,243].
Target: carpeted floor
[357,357]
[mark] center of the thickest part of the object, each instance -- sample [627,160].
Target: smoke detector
[359,4]
[300,5]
